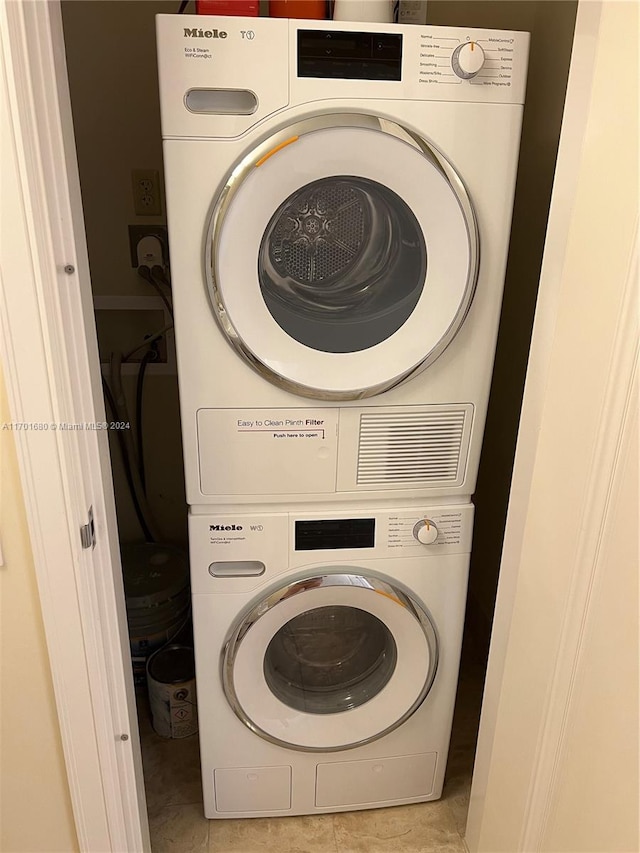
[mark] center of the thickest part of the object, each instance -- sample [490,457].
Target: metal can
[172,691]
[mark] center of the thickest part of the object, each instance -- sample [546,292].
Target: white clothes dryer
[339,200]
[327,653]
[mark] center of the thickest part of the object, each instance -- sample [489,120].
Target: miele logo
[225,527]
[195,33]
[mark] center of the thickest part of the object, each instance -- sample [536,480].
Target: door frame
[51,365]
[576,418]
[49,338]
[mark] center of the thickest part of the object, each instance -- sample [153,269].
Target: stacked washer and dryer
[339,200]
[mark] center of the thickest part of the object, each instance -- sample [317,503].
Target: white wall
[111,60]
[594,806]
[35,806]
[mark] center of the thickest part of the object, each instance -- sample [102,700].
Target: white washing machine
[339,200]
[327,652]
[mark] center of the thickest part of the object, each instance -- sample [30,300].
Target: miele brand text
[195,33]
[225,527]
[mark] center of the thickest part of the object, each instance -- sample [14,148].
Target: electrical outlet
[146,192]
[122,329]
[137,233]
[149,251]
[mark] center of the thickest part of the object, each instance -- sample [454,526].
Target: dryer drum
[320,236]
[342,264]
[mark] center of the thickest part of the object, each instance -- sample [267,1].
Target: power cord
[149,356]
[158,273]
[129,450]
[111,403]
[152,277]
[133,452]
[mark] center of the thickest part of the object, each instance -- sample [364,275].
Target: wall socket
[146,192]
[138,233]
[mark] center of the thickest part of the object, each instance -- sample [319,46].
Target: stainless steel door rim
[279,141]
[304,586]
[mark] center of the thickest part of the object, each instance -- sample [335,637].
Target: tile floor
[174,799]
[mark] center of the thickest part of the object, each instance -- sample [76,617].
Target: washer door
[343,256]
[330,662]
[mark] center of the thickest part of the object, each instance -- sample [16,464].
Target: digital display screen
[335,533]
[349,56]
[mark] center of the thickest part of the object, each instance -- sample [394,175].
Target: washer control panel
[437,527]
[238,551]
[426,531]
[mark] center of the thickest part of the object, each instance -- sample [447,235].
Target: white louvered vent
[412,448]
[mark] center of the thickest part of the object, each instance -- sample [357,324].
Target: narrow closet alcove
[111,60]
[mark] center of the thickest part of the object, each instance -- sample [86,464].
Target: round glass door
[330,662]
[342,256]
[342,264]
[330,659]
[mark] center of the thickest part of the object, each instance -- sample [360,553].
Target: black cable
[127,472]
[109,398]
[145,273]
[183,6]
[150,355]
[128,437]
[160,275]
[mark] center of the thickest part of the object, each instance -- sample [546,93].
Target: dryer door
[330,662]
[342,256]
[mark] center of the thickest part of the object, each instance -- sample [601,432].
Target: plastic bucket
[172,691]
[156,586]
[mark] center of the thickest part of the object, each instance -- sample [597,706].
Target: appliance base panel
[246,792]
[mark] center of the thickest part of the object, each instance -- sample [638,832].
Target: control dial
[467,60]
[425,531]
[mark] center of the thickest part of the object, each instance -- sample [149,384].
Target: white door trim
[543,605]
[564,191]
[50,358]
[604,474]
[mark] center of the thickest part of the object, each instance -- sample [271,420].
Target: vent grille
[411,448]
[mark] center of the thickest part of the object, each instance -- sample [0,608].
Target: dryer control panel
[222,76]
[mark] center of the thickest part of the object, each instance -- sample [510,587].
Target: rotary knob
[425,531]
[467,60]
